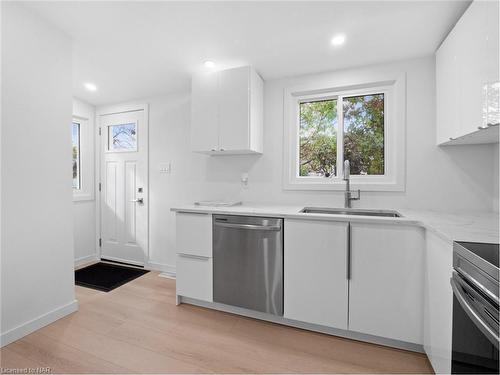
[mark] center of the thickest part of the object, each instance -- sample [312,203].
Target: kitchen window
[364,124]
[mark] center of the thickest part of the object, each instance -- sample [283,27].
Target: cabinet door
[438,305]
[234,109]
[194,277]
[315,272]
[447,90]
[472,53]
[386,285]
[492,66]
[194,234]
[205,112]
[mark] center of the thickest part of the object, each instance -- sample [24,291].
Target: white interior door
[124,187]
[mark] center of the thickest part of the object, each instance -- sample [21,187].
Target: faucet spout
[347,170]
[348,193]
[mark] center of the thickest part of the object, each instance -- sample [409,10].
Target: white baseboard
[37,323]
[163,267]
[86,259]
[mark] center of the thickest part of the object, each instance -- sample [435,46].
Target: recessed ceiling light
[209,64]
[90,86]
[338,40]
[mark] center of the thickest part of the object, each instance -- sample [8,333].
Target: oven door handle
[473,315]
[477,284]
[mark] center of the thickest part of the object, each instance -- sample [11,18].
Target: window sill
[79,197]
[339,185]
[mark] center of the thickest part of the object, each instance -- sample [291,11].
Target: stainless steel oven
[475,284]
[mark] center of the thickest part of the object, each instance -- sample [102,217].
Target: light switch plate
[166,168]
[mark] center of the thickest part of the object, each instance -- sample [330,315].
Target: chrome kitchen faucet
[348,193]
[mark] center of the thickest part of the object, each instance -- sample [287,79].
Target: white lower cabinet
[438,305]
[194,277]
[194,274]
[369,278]
[194,233]
[315,264]
[386,285]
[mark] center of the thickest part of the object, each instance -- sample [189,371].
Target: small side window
[75,135]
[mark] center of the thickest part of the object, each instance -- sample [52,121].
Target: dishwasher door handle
[248,226]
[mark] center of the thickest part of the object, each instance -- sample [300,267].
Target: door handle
[349,244]
[490,334]
[138,200]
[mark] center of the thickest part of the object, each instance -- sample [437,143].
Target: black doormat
[106,277]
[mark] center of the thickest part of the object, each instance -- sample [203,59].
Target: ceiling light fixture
[209,64]
[90,86]
[338,40]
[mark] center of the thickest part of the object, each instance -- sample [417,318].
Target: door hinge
[100,242]
[99,186]
[99,131]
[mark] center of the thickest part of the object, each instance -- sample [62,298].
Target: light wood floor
[137,328]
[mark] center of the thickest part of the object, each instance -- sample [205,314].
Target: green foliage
[363,135]
[318,138]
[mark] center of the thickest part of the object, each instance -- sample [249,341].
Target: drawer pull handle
[191,256]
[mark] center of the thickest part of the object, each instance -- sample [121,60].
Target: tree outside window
[360,135]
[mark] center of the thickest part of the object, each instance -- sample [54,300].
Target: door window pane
[364,134]
[318,138]
[122,137]
[75,136]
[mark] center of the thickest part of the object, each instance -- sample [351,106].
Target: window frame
[79,155]
[86,191]
[394,90]
[107,132]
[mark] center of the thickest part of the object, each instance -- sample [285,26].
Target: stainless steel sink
[349,211]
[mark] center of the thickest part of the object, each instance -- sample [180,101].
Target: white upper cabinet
[227,112]
[447,90]
[467,75]
[386,285]
[315,267]
[204,113]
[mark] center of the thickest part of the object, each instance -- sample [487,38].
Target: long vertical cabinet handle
[348,251]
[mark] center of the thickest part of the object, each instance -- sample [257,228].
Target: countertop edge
[292,212]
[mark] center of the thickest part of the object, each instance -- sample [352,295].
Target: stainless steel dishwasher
[248,262]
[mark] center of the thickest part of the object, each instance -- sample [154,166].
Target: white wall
[448,179]
[496,176]
[84,205]
[193,176]
[37,284]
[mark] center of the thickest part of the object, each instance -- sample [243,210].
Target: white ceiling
[132,50]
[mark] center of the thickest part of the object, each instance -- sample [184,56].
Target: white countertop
[474,227]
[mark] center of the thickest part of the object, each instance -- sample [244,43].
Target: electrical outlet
[244,179]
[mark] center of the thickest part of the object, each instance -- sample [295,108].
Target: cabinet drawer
[194,277]
[194,234]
